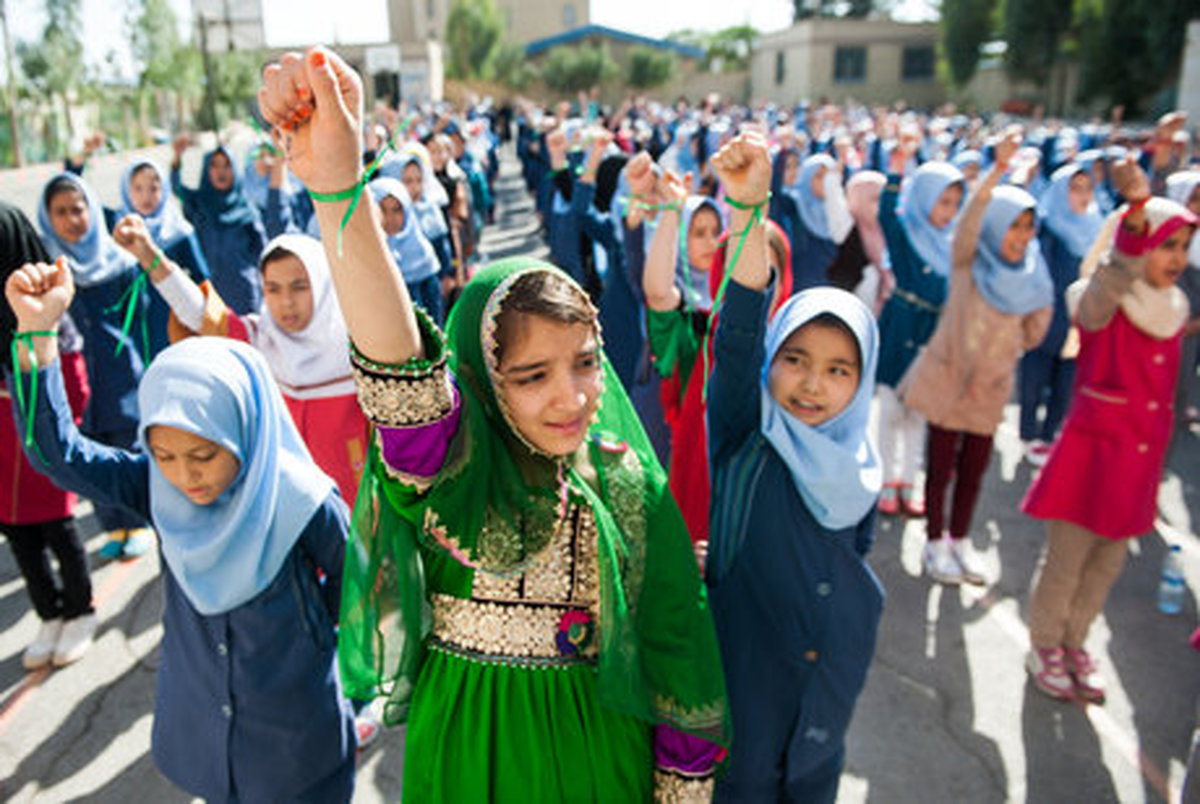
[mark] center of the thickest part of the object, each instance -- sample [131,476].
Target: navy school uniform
[797,608]
[248,706]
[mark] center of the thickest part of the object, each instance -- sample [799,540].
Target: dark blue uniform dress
[796,607]
[248,706]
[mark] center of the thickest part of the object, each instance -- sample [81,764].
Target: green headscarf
[495,506]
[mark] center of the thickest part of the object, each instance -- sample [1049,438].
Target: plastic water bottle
[1171,586]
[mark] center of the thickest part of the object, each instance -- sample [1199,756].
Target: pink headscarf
[862,196]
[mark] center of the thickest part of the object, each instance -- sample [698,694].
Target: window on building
[780,67]
[917,63]
[850,64]
[568,16]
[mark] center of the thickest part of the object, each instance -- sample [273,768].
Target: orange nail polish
[317,58]
[304,92]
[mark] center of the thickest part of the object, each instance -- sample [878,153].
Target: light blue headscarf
[693,282]
[166,223]
[1013,288]
[412,250]
[96,257]
[226,553]
[1077,230]
[812,209]
[429,214]
[834,465]
[917,198]
[968,156]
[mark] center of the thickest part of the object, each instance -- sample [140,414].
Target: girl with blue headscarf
[248,704]
[228,226]
[72,225]
[413,252]
[999,307]
[811,208]
[144,193]
[1070,223]
[917,219]
[795,480]
[412,168]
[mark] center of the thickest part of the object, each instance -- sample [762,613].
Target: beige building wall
[808,51]
[529,20]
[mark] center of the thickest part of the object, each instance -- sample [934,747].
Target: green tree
[729,47]
[473,32]
[1034,31]
[578,68]
[966,25]
[511,67]
[54,66]
[1133,49]
[649,67]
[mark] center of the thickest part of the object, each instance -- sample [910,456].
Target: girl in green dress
[519,585]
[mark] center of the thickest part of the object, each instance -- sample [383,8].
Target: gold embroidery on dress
[672,788]
[404,402]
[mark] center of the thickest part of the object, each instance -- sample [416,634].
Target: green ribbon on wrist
[28,411]
[131,301]
[756,219]
[354,194]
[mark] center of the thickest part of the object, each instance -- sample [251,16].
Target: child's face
[970,173]
[198,468]
[1193,203]
[1166,263]
[818,183]
[703,234]
[393,215]
[287,291]
[414,181]
[791,170]
[145,190]
[550,380]
[220,172]
[1016,239]
[815,374]
[946,206]
[69,215]
[1079,193]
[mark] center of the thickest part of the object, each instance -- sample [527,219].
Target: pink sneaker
[1047,667]
[1085,673]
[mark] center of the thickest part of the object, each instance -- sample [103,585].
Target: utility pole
[11,88]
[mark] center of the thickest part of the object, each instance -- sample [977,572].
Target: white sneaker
[75,639]
[940,564]
[968,565]
[41,649]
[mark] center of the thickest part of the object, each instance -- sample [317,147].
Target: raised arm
[177,288]
[316,100]
[966,234]
[658,281]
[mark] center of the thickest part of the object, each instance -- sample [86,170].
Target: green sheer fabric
[494,507]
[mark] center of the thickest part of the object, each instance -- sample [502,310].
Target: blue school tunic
[232,252]
[911,313]
[621,307]
[247,705]
[795,605]
[1064,269]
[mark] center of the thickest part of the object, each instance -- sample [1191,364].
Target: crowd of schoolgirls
[380,469]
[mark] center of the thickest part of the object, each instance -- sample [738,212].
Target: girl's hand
[1007,147]
[317,101]
[131,234]
[180,144]
[672,189]
[744,168]
[601,139]
[701,549]
[640,175]
[1130,180]
[39,294]
[556,147]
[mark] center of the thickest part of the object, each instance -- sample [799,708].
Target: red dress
[27,497]
[1104,470]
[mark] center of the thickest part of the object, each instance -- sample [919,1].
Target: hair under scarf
[1077,230]
[95,257]
[413,250]
[313,363]
[917,198]
[225,553]
[834,466]
[1013,288]
[165,223]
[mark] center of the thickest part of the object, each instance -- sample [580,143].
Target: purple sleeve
[685,754]
[420,451]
